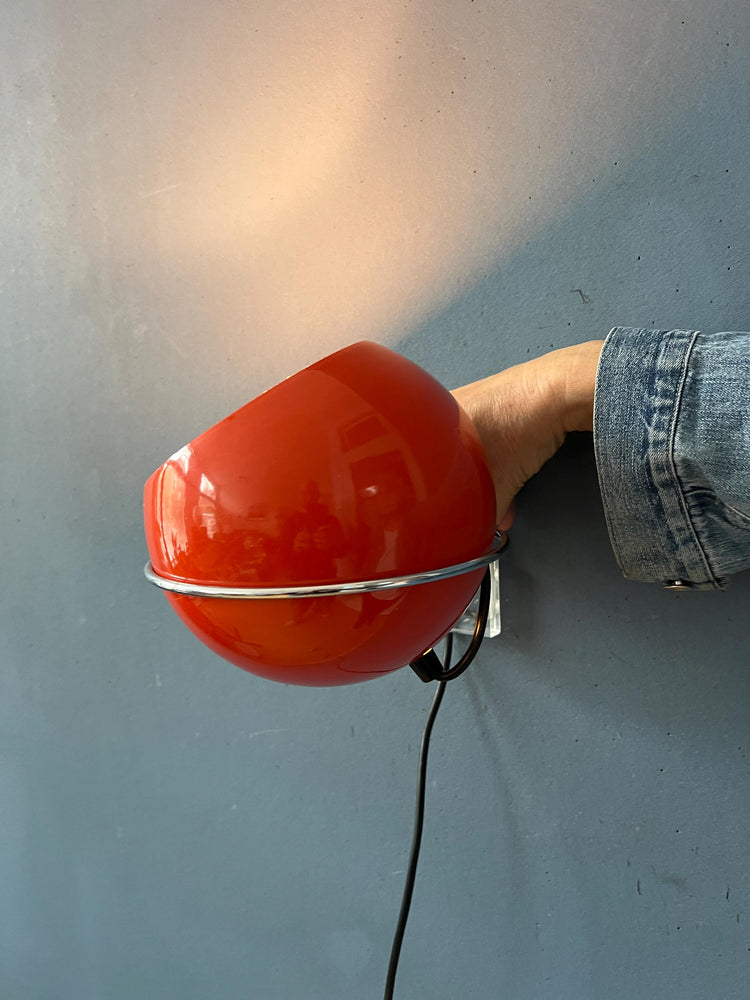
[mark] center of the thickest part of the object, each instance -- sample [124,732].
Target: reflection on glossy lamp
[333,529]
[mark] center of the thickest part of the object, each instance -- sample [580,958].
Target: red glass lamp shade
[359,468]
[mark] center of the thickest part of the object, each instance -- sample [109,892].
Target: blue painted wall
[198,200]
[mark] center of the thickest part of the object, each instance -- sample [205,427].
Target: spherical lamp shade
[360,468]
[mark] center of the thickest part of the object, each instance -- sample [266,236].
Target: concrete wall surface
[199,199]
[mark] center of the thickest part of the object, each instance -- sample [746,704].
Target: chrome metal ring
[325,589]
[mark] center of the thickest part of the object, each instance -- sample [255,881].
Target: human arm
[524,413]
[670,411]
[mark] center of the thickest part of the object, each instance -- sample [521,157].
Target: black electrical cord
[418,826]
[428,667]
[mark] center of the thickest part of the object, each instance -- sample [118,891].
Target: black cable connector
[428,666]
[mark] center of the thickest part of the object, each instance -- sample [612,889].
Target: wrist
[577,376]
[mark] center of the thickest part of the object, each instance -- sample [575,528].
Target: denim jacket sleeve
[672,444]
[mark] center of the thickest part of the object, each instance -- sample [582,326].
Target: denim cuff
[639,389]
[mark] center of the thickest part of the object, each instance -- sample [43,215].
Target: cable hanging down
[429,667]
[417,833]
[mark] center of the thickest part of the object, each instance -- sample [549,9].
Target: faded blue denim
[672,444]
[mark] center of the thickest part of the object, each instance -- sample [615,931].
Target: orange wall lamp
[333,529]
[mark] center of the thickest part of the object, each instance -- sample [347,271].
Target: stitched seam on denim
[694,496]
[621,477]
[734,510]
[673,463]
[657,441]
[602,460]
[608,466]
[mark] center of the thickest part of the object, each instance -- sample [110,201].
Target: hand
[523,414]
